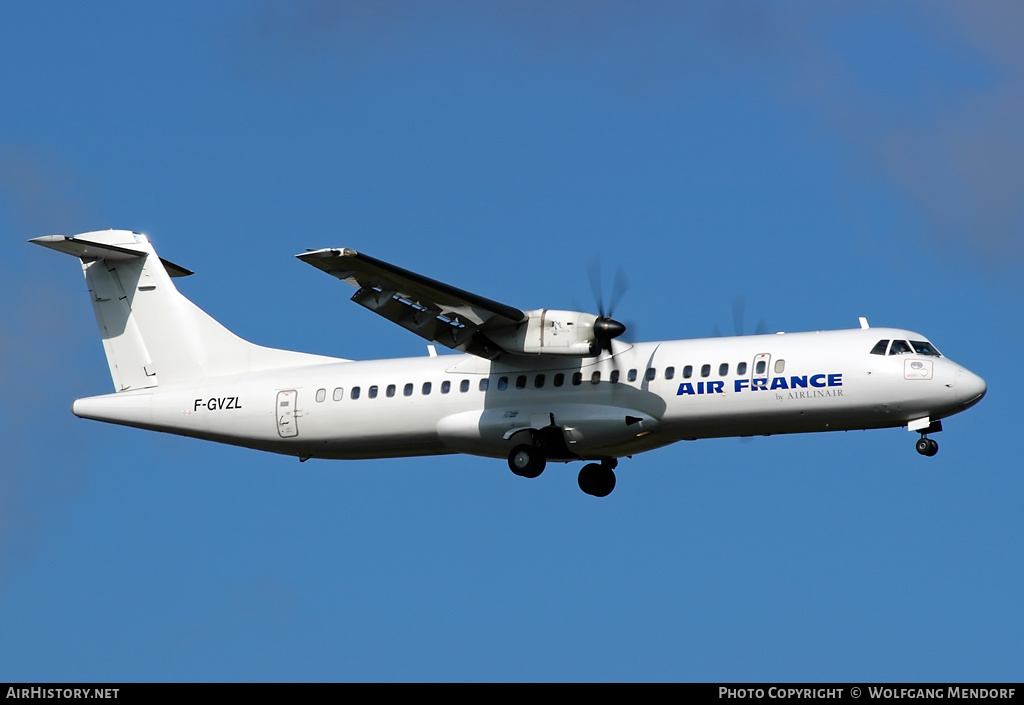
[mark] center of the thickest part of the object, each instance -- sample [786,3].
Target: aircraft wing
[431,309]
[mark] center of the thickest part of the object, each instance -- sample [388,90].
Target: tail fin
[152,334]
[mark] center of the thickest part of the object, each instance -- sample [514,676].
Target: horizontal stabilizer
[84,249]
[89,250]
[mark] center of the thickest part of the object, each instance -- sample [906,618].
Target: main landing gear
[596,479]
[527,461]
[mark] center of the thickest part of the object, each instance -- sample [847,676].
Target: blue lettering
[758,384]
[795,382]
[716,387]
[779,383]
[820,382]
[740,384]
[700,387]
[685,388]
[835,380]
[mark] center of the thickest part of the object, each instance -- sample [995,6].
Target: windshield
[923,347]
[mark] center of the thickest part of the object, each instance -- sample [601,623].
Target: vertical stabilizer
[152,335]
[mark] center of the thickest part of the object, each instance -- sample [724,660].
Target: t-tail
[152,335]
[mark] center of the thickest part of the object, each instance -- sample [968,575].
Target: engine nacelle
[547,332]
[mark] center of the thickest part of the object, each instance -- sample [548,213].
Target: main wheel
[597,480]
[526,461]
[926,446]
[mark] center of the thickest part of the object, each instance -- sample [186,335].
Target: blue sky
[823,161]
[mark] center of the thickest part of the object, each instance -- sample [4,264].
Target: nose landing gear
[926,446]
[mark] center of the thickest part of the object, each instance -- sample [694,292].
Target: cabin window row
[373,391]
[539,381]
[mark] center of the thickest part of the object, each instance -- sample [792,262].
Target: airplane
[528,386]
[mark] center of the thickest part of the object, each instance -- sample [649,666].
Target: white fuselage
[664,392]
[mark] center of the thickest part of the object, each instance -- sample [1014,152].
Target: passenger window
[373,392]
[651,374]
[321,394]
[880,347]
[780,366]
[760,367]
[464,385]
[408,390]
[426,388]
[670,372]
[538,381]
[596,377]
[705,370]
[577,377]
[485,382]
[614,377]
[922,347]
[723,369]
[503,383]
[338,393]
[521,382]
[741,369]
[390,391]
[446,387]
[899,347]
[688,372]
[355,393]
[559,379]
[631,376]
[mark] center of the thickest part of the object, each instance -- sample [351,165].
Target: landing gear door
[286,413]
[759,371]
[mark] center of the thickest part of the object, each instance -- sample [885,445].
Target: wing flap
[433,310]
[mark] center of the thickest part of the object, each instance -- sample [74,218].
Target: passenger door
[759,370]
[287,415]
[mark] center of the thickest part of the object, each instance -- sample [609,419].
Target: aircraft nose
[970,388]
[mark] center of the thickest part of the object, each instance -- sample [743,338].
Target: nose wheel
[926,446]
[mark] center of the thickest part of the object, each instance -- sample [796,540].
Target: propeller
[739,306]
[607,328]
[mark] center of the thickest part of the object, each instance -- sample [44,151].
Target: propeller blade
[606,328]
[594,270]
[619,287]
[739,306]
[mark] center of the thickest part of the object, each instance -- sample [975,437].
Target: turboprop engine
[549,332]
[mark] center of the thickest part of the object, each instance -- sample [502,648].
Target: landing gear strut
[926,446]
[598,480]
[527,461]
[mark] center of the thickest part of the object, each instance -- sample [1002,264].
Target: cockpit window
[923,347]
[880,347]
[899,347]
